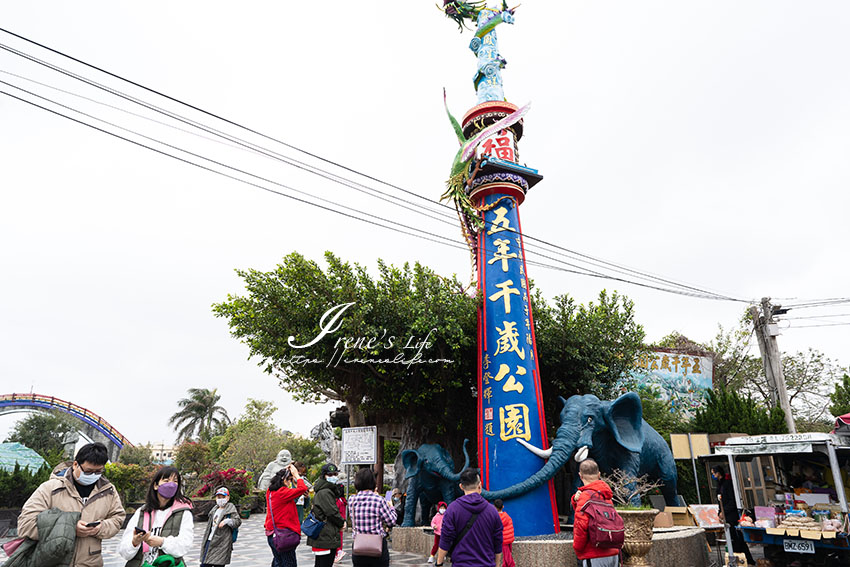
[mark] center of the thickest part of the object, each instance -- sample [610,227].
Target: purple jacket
[482,542]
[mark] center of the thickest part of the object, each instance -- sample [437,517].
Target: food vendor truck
[806,521]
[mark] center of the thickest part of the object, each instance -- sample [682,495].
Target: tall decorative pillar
[489,188]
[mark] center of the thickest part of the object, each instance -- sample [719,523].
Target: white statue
[283,460]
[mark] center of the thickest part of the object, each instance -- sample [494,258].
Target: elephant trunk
[558,459]
[444,471]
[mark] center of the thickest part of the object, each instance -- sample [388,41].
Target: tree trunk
[412,437]
[355,414]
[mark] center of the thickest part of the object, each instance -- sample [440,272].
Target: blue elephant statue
[614,434]
[430,469]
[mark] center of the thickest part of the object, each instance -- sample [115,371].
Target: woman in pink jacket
[437,524]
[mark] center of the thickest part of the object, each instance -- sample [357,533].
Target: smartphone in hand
[93,524]
[139,530]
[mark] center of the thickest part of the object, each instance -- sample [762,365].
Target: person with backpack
[598,530]
[472,530]
[221,531]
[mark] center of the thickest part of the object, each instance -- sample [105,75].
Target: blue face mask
[86,479]
[332,479]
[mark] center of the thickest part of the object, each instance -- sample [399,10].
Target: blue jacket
[483,541]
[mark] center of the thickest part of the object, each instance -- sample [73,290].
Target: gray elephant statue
[615,435]
[430,469]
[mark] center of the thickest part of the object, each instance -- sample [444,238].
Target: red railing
[40,400]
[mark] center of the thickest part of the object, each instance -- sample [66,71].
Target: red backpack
[605,527]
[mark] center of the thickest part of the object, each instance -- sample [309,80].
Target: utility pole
[766,331]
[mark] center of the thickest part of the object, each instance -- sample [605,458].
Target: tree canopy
[375,325]
[44,432]
[199,415]
[728,411]
[378,358]
[584,349]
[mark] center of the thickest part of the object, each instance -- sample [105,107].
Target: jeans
[613,561]
[282,558]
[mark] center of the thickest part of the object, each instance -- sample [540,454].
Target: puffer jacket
[325,510]
[103,504]
[56,548]
[221,544]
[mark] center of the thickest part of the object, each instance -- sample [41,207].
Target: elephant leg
[410,503]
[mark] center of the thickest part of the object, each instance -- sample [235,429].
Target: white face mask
[442,510]
[221,501]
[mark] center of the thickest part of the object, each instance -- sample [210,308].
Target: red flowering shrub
[237,481]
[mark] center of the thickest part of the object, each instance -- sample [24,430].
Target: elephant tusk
[537,451]
[581,454]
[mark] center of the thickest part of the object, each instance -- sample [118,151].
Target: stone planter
[638,536]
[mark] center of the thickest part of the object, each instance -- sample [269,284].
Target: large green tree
[401,350]
[253,440]
[44,432]
[728,411]
[584,349]
[840,397]
[810,376]
[199,415]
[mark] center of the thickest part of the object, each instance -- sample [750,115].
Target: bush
[726,411]
[193,457]
[237,481]
[17,486]
[131,481]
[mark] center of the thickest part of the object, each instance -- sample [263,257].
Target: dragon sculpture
[488,85]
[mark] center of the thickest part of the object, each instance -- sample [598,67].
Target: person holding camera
[285,488]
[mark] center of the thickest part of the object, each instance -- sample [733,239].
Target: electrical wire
[820,325]
[613,266]
[429,236]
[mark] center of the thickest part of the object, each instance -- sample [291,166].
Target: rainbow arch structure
[92,425]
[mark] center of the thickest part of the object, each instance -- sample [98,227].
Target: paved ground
[252,549]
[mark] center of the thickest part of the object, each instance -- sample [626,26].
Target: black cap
[329,468]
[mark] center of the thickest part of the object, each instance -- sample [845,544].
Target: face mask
[442,510]
[221,502]
[87,478]
[167,489]
[332,479]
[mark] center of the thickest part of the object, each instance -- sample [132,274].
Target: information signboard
[359,445]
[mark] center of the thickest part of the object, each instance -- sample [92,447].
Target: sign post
[359,447]
[690,446]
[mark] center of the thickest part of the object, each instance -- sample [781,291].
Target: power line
[820,325]
[591,259]
[428,235]
[164,153]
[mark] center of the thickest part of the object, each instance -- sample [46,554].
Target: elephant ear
[410,461]
[625,420]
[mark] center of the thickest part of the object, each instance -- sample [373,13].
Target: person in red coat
[507,535]
[286,486]
[587,555]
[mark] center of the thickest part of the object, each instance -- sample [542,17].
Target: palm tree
[200,413]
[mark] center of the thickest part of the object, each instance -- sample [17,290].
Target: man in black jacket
[729,510]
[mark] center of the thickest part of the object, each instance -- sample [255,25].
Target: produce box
[775,531]
[810,534]
[663,520]
[681,516]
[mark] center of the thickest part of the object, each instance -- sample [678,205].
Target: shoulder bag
[367,545]
[283,539]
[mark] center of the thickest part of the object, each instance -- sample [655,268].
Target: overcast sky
[703,142]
